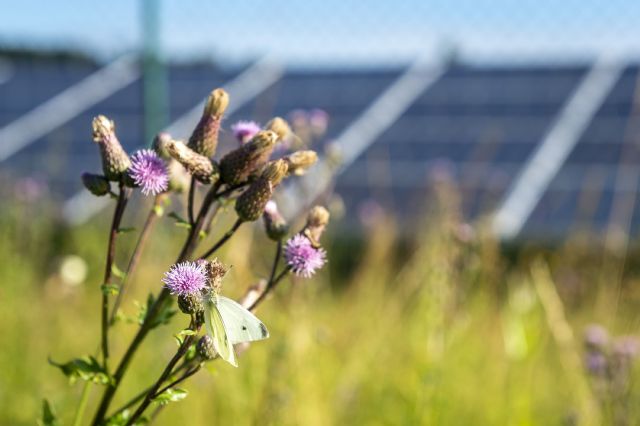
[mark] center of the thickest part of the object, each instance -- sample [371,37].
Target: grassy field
[442,330]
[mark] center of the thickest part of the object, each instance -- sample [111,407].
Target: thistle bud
[190,303]
[205,348]
[274,223]
[317,220]
[300,161]
[115,161]
[250,205]
[239,164]
[204,139]
[201,167]
[179,179]
[96,184]
[280,127]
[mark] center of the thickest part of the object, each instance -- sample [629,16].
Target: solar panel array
[478,126]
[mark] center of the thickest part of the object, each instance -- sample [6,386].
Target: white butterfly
[228,323]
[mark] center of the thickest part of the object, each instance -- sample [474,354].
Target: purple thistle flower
[149,171]
[186,278]
[244,131]
[302,257]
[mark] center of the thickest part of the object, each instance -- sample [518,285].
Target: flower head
[149,172]
[302,257]
[186,278]
[245,130]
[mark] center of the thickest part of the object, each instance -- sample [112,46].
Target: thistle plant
[246,176]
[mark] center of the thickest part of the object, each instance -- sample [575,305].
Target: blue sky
[336,31]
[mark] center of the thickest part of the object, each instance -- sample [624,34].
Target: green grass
[446,333]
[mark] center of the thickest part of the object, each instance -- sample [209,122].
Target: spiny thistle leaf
[85,368]
[170,395]
[48,415]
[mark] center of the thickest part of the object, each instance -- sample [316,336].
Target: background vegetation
[443,329]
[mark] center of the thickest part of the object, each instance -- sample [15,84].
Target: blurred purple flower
[596,363]
[30,189]
[302,257]
[626,347]
[245,130]
[186,278]
[298,117]
[596,336]
[149,171]
[370,212]
[319,121]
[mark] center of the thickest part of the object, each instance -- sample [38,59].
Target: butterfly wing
[241,325]
[216,329]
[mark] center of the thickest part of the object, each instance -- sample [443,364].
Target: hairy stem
[190,201]
[137,252]
[163,377]
[182,378]
[123,195]
[186,252]
[140,395]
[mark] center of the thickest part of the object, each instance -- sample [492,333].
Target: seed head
[96,184]
[250,205]
[186,278]
[239,164]
[280,127]
[115,161]
[159,145]
[216,271]
[201,167]
[303,258]
[300,161]
[149,172]
[204,139]
[317,220]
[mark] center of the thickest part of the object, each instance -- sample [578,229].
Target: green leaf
[123,417]
[117,272]
[191,353]
[48,415]
[158,210]
[126,230]
[85,368]
[180,336]
[110,289]
[180,221]
[170,395]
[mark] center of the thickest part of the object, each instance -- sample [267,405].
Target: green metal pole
[154,76]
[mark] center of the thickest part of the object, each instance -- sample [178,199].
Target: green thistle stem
[137,252]
[123,196]
[84,397]
[187,250]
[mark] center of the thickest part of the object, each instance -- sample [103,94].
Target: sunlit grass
[450,333]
